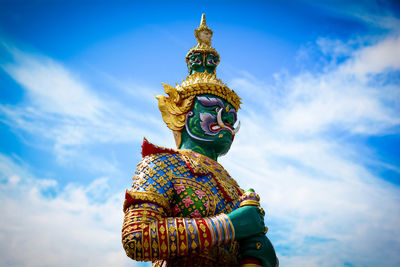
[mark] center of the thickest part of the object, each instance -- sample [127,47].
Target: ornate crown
[179,101]
[203,46]
[205,83]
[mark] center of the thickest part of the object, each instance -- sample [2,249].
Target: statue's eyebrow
[210,101]
[233,111]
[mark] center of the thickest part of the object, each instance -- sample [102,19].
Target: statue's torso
[192,186]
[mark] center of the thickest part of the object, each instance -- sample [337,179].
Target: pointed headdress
[179,101]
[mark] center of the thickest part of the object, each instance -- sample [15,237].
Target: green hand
[247,221]
[259,247]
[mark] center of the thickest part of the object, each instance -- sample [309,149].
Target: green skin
[196,63]
[266,253]
[247,221]
[215,145]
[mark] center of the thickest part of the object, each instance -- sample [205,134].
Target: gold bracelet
[249,202]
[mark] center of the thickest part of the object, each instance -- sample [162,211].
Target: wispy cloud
[381,57]
[325,207]
[53,88]
[62,108]
[45,225]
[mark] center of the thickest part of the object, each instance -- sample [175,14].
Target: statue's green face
[195,63]
[210,124]
[211,63]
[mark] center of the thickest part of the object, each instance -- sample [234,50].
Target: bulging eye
[217,109]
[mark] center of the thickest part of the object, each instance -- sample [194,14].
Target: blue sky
[320,119]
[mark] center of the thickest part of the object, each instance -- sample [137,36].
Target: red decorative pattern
[146,242]
[179,188]
[200,194]
[204,233]
[150,149]
[188,201]
[183,245]
[195,214]
[163,238]
[176,209]
[128,200]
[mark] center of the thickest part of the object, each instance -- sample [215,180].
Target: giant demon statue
[184,209]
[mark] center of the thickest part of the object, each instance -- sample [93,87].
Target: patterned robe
[175,211]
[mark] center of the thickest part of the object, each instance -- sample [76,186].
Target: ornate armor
[176,210]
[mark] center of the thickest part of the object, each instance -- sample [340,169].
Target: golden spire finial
[203,20]
[203,33]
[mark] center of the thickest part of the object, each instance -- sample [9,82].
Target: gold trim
[197,163]
[249,203]
[204,50]
[206,83]
[149,196]
[179,101]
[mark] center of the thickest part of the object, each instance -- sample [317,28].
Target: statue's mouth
[212,124]
[215,128]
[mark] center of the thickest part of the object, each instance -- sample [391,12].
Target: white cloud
[64,110]
[52,87]
[79,226]
[324,206]
[384,56]
[334,48]
[317,102]
[354,96]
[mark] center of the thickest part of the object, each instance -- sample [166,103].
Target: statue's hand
[247,221]
[258,247]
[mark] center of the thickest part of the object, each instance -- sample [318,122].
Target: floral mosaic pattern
[190,202]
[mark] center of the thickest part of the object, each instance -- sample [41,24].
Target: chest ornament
[192,199]
[202,165]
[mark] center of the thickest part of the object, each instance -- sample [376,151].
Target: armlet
[132,197]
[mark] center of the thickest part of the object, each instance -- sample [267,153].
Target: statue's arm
[148,235]
[150,231]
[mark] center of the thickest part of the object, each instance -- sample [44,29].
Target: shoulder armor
[150,149]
